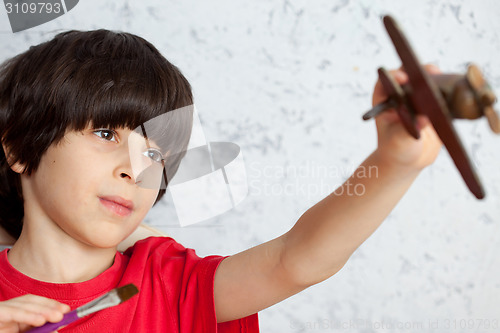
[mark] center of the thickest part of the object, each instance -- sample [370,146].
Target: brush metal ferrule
[105,301]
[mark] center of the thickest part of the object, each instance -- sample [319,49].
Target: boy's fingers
[432,69]
[422,122]
[21,316]
[42,301]
[401,77]
[31,310]
[48,313]
[379,93]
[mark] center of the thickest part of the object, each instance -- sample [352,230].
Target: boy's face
[85,186]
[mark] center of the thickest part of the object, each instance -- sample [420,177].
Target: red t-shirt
[176,292]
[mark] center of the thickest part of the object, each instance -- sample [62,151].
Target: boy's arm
[327,234]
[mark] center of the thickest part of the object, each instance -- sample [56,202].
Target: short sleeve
[189,282]
[200,290]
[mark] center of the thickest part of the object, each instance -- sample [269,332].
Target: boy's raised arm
[326,235]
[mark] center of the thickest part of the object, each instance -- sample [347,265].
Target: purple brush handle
[50,327]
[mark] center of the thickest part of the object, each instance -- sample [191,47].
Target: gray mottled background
[288,81]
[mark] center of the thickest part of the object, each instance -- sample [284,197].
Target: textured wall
[288,81]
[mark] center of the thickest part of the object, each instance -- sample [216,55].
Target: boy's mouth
[117,205]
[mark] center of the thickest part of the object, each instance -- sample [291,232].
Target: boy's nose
[123,168]
[124,171]
[125,175]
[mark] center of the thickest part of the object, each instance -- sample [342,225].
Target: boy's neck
[64,261]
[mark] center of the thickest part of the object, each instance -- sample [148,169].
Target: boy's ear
[15,166]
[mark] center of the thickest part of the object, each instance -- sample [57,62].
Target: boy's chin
[105,242]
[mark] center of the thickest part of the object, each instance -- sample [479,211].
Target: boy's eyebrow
[148,146]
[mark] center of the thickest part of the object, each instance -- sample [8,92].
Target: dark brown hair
[108,79]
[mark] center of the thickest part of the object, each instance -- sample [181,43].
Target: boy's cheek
[148,196]
[150,178]
[139,164]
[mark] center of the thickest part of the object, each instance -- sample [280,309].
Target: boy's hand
[22,313]
[395,144]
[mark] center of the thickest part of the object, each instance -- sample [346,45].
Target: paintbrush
[112,298]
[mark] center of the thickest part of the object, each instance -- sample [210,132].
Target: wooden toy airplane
[441,98]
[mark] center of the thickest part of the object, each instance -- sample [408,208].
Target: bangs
[119,86]
[119,95]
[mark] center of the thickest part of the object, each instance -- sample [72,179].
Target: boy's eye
[106,134]
[154,154]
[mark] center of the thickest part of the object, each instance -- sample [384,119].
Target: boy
[69,112]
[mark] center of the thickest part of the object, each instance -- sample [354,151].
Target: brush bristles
[126,291]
